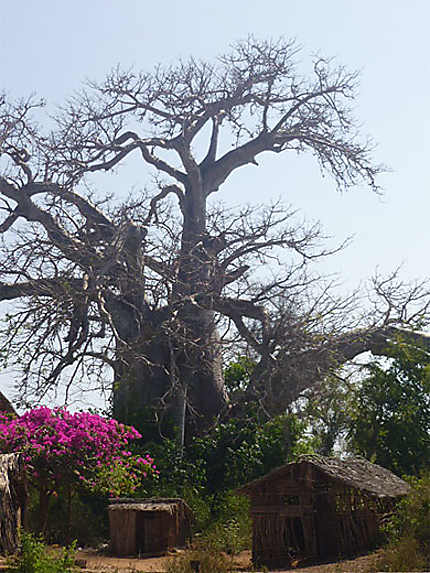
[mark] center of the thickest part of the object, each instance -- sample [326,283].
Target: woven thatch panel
[12,500]
[167,507]
[363,475]
[5,406]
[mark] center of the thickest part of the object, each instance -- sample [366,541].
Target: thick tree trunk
[175,375]
[44,498]
[142,383]
[172,391]
[12,501]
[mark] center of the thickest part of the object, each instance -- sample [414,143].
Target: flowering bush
[65,452]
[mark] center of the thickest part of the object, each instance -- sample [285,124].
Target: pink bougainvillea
[78,450]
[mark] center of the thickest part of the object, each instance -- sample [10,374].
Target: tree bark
[178,372]
[160,384]
[276,389]
[142,384]
[44,497]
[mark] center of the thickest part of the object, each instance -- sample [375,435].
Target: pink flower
[63,445]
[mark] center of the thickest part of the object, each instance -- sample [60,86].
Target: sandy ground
[106,563]
[241,563]
[90,561]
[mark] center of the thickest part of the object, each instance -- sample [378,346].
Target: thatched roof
[354,472]
[169,505]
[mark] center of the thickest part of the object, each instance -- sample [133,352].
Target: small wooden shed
[149,526]
[319,507]
[13,495]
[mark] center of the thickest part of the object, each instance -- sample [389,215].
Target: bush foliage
[409,531]
[70,455]
[390,418]
[35,557]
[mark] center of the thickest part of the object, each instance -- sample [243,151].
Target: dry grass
[405,555]
[210,562]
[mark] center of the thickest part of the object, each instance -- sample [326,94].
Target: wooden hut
[12,500]
[319,507]
[148,526]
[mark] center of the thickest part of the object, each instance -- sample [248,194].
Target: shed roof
[356,472]
[168,505]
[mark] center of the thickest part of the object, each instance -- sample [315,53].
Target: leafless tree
[159,286]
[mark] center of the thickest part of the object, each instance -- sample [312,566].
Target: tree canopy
[159,285]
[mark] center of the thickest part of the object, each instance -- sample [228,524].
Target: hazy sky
[49,47]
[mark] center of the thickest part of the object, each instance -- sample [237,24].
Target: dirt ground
[101,563]
[91,561]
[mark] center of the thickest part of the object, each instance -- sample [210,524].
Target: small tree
[65,452]
[391,412]
[326,408]
[408,531]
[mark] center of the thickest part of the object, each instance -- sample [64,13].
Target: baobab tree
[159,285]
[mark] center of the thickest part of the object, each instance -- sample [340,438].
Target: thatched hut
[319,507]
[5,406]
[12,500]
[149,526]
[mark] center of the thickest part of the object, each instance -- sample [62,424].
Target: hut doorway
[327,524]
[294,536]
[151,532]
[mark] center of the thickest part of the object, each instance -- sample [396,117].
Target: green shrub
[412,518]
[241,449]
[200,505]
[35,557]
[86,521]
[390,411]
[409,531]
[231,531]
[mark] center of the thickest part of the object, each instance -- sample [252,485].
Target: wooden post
[12,500]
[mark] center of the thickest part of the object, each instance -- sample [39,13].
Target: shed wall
[283,519]
[138,531]
[123,532]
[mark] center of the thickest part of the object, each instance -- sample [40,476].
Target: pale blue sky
[49,47]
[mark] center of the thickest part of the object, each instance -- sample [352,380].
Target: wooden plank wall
[123,531]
